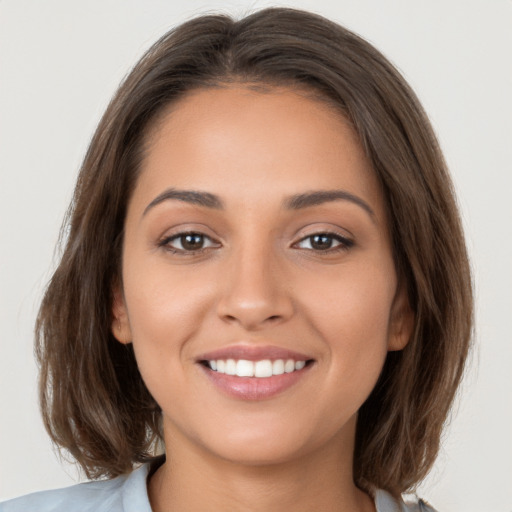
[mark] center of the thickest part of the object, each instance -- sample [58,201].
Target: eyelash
[344,243]
[165,243]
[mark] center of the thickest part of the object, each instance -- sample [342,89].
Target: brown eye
[188,242]
[192,241]
[325,242]
[321,242]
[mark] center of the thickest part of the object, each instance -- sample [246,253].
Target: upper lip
[253,353]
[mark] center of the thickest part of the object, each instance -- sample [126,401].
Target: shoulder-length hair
[94,402]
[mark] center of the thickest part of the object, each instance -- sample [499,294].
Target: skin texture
[258,281]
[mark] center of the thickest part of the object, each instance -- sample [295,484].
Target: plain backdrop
[60,62]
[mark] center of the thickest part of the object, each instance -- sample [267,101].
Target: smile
[262,369]
[254,373]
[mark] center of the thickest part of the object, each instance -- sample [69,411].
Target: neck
[193,479]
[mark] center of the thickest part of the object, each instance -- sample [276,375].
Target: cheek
[355,301]
[162,297]
[165,308]
[351,312]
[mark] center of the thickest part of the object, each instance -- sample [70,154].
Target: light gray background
[61,60]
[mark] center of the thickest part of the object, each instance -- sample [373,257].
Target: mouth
[254,373]
[261,369]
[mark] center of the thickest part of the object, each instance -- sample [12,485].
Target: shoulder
[127,493]
[384,502]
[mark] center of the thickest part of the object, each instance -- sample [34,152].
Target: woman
[265,270]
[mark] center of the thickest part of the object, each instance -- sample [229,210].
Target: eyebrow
[317,197]
[295,202]
[187,196]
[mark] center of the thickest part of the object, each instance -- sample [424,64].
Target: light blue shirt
[128,493]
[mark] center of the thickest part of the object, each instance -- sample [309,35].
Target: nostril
[272,318]
[233,309]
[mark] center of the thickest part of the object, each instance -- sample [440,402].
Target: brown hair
[94,402]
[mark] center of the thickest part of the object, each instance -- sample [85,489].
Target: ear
[401,320]
[120,323]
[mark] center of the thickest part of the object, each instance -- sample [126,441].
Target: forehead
[241,144]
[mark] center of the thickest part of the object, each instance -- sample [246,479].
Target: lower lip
[253,388]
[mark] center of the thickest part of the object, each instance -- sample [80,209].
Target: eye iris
[192,241]
[321,242]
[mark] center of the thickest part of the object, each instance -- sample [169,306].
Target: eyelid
[345,242]
[341,240]
[319,228]
[164,242]
[185,228]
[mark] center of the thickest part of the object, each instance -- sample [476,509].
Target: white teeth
[244,368]
[300,364]
[289,366]
[230,367]
[263,368]
[278,367]
[260,369]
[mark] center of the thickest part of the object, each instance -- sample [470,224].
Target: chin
[266,443]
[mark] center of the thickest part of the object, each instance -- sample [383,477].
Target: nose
[255,291]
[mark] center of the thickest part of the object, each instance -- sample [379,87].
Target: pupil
[192,242]
[321,242]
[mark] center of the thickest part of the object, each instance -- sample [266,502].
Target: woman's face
[256,243]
